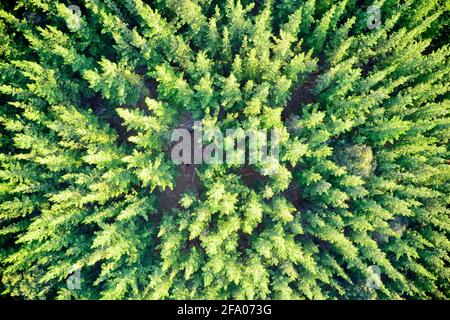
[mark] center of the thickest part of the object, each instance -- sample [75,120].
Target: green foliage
[116,83]
[86,181]
[358,159]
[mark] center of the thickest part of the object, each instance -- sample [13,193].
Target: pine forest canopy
[90,91]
